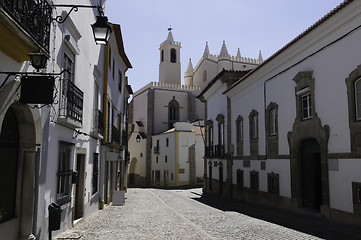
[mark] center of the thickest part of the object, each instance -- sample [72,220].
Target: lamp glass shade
[38,60]
[101,30]
[137,138]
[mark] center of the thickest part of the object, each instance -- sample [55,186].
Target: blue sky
[265,25]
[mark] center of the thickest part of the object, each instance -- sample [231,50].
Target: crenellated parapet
[215,58]
[170,43]
[167,86]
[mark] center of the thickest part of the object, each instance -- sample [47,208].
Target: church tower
[170,66]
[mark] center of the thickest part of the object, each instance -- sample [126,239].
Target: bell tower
[170,66]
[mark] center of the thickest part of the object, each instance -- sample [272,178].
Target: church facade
[157,106]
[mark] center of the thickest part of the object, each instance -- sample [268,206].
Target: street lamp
[38,60]
[101,28]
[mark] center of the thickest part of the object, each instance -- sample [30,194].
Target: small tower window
[204,75]
[173,55]
[162,56]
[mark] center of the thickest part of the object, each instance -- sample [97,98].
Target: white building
[177,156]
[158,105]
[294,124]
[59,152]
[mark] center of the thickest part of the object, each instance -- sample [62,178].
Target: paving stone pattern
[174,214]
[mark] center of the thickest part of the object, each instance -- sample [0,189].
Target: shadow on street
[312,225]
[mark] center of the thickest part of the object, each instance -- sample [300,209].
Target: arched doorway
[311,184]
[20,134]
[9,151]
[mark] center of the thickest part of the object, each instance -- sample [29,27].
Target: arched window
[162,56]
[273,125]
[173,113]
[204,75]
[173,55]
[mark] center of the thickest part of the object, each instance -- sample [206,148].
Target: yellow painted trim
[105,93]
[176,158]
[13,46]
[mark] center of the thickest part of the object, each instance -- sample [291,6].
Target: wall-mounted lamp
[101,28]
[38,60]
[138,138]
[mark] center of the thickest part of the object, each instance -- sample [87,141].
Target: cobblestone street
[184,214]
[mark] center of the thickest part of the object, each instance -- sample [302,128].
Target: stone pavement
[186,214]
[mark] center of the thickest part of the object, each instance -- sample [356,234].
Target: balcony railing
[156,150]
[209,151]
[71,103]
[34,16]
[98,124]
[115,135]
[219,150]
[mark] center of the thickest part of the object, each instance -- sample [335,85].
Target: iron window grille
[72,101]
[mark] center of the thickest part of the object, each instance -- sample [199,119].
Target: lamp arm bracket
[60,19]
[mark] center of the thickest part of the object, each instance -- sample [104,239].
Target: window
[353,84]
[110,58]
[358,99]
[273,183]
[253,133]
[167,142]
[70,66]
[166,159]
[272,130]
[254,180]
[95,173]
[173,55]
[239,136]
[173,113]
[209,143]
[239,128]
[273,122]
[306,106]
[254,126]
[204,75]
[219,151]
[156,159]
[120,86]
[64,172]
[239,179]
[162,56]
[113,68]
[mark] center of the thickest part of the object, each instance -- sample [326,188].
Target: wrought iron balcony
[71,105]
[98,122]
[34,16]
[115,135]
[219,150]
[209,151]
